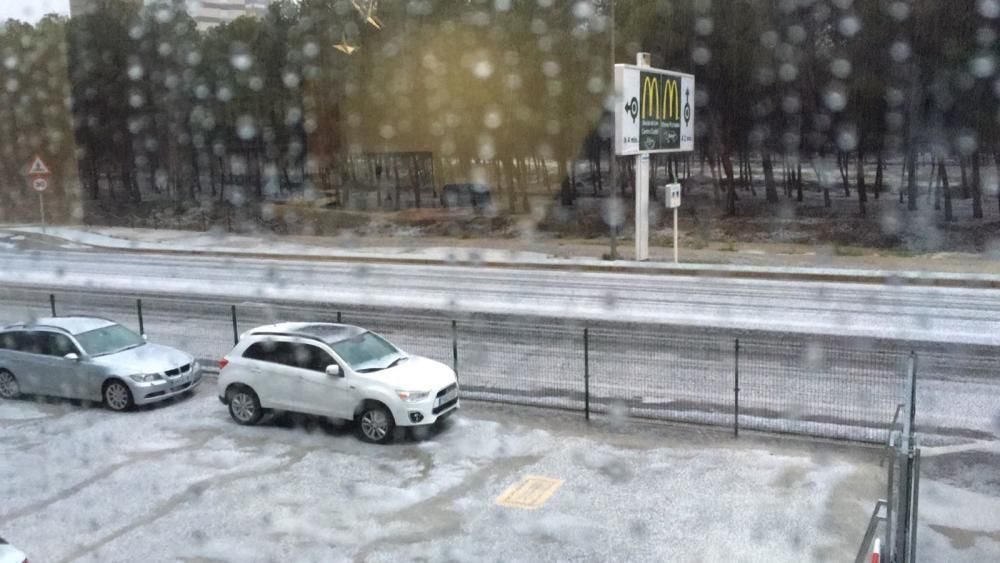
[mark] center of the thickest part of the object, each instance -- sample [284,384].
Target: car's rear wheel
[9,389]
[375,424]
[117,396]
[244,406]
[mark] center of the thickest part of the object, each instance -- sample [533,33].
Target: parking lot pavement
[182,482]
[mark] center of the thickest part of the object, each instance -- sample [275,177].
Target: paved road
[792,383]
[954,315]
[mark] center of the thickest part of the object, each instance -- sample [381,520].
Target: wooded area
[312,100]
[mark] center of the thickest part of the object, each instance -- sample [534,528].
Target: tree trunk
[399,186]
[715,180]
[511,173]
[862,188]
[937,185]
[965,180]
[798,183]
[844,164]
[932,181]
[727,164]
[911,179]
[753,191]
[415,180]
[770,188]
[996,162]
[943,171]
[902,176]
[878,176]
[597,176]
[977,188]
[784,178]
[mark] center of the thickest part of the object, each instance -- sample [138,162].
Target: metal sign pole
[41,209]
[676,239]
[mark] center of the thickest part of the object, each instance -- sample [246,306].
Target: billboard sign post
[654,113]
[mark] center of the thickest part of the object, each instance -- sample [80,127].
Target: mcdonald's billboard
[654,110]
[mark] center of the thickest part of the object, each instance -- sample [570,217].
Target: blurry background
[853,123]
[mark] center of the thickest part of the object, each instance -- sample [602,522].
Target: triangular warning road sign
[38,167]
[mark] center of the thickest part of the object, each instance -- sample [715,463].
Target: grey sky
[31,10]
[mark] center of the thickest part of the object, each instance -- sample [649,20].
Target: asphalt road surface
[970,316]
[824,384]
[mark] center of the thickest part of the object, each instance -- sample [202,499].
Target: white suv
[338,371]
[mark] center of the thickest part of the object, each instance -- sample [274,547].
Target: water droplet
[982,66]
[246,129]
[241,61]
[841,68]
[492,119]
[701,55]
[835,97]
[900,51]
[989,8]
[849,26]
[482,69]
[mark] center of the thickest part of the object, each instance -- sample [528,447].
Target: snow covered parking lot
[182,482]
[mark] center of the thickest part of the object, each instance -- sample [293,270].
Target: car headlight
[145,377]
[412,396]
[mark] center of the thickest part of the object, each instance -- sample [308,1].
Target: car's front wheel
[244,406]
[9,389]
[375,424]
[117,396]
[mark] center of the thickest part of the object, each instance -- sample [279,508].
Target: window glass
[11,340]
[307,356]
[109,340]
[55,344]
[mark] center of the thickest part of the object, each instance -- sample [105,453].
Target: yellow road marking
[530,493]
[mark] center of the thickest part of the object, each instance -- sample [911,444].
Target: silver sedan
[92,359]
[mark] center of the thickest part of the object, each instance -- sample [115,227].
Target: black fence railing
[756,382]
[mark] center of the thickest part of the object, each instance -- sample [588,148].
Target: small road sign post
[38,176]
[673,200]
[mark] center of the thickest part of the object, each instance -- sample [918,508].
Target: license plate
[448,397]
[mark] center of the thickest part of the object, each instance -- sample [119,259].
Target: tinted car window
[271,351]
[32,342]
[10,341]
[54,344]
[311,357]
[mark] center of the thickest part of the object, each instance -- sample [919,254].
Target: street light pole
[613,203]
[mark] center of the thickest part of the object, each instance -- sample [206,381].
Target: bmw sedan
[92,359]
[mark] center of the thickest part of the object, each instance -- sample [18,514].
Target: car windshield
[108,340]
[367,352]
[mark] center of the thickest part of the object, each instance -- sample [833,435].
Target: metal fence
[757,382]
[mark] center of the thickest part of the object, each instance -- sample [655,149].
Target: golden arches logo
[671,100]
[650,97]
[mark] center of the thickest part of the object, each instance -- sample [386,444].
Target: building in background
[213,12]
[81,7]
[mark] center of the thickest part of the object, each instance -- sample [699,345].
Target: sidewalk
[784,261]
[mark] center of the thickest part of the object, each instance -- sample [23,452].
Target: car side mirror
[72,356]
[333,370]
[144,337]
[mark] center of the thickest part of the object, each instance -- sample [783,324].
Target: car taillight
[223,363]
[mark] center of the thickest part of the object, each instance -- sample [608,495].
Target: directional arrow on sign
[38,168]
